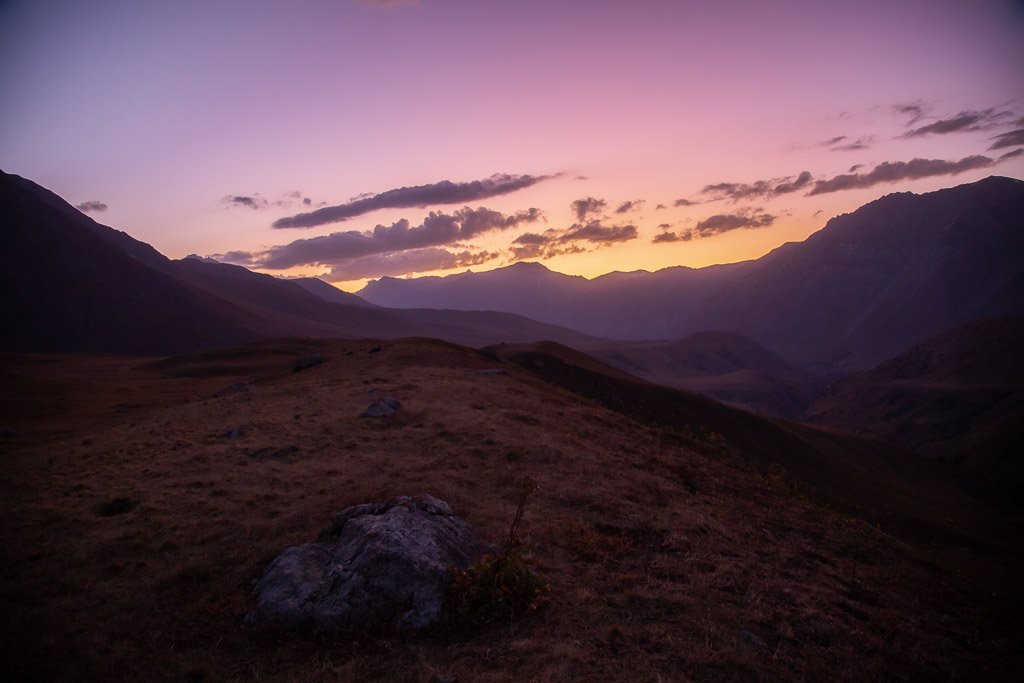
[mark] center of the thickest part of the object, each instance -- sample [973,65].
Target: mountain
[725,366]
[68,283]
[328,292]
[958,397]
[869,284]
[683,539]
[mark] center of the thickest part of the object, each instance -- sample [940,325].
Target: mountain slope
[141,507]
[723,365]
[870,283]
[68,283]
[958,397]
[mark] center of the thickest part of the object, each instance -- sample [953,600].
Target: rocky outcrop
[378,566]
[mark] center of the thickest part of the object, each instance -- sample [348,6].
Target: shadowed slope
[958,397]
[725,366]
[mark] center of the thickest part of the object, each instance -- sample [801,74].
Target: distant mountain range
[868,285]
[68,283]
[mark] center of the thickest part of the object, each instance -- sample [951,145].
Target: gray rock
[308,361]
[381,566]
[382,407]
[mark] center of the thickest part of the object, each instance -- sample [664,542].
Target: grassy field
[141,502]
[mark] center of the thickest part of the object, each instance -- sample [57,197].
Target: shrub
[497,588]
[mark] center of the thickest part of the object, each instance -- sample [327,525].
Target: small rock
[308,361]
[375,349]
[382,407]
[491,371]
[235,433]
[379,565]
[273,452]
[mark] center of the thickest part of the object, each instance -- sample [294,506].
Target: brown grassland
[133,528]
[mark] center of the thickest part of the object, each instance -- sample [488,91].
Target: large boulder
[378,566]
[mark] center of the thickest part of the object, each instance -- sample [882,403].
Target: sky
[352,139]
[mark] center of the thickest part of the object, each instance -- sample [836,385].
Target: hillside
[725,366]
[956,398]
[868,285]
[143,503]
[70,284]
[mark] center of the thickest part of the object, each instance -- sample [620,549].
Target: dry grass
[131,538]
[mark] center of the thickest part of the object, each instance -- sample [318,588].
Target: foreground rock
[379,565]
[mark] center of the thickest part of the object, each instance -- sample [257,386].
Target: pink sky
[162,110]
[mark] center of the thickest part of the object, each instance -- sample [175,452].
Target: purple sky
[419,136]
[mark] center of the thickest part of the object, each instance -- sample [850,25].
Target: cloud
[406,262]
[1011,155]
[254,202]
[894,171]
[671,237]
[437,229]
[632,205]
[1011,139]
[964,122]
[759,188]
[92,206]
[746,218]
[575,239]
[598,233]
[664,226]
[860,143]
[915,110]
[444,192]
[659,207]
[855,167]
[684,202]
[581,208]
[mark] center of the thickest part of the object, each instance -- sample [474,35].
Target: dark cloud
[817,213]
[964,122]
[254,202]
[860,143]
[575,239]
[598,233]
[683,202]
[831,142]
[1011,139]
[1011,155]
[582,177]
[92,206]
[405,262]
[745,218]
[665,226]
[581,208]
[444,192]
[788,186]
[760,188]
[671,237]
[437,229]
[914,110]
[894,171]
[719,223]
[855,167]
[633,205]
[659,207]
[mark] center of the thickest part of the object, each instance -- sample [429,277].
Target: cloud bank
[418,196]
[895,171]
[766,189]
[745,218]
[436,230]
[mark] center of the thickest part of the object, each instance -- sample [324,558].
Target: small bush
[497,588]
